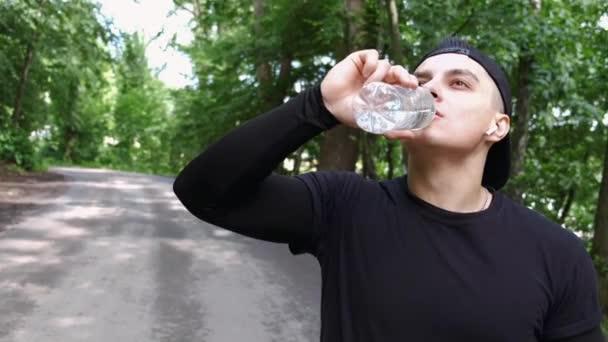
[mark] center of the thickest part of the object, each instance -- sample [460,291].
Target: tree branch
[464,23]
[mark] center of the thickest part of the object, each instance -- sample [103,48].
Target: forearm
[234,167]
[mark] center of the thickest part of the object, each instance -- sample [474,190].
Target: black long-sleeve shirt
[394,267]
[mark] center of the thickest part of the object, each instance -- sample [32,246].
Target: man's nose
[432,87]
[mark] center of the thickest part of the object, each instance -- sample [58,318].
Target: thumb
[380,73]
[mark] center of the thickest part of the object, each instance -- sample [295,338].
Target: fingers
[398,75]
[375,70]
[380,73]
[366,61]
[369,66]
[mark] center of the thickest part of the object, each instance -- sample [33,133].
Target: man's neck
[450,182]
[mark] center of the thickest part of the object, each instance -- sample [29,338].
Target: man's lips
[438,114]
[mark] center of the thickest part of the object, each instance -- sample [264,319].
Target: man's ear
[500,127]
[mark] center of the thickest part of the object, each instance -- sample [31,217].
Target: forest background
[78,91]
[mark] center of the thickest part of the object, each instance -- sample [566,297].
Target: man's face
[465,99]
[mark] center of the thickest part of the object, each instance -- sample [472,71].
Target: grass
[10,168]
[109,166]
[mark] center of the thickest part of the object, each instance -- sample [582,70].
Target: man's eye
[460,84]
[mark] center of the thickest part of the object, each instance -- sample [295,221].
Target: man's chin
[433,140]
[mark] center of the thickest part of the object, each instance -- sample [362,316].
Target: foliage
[140,116]
[67,98]
[52,54]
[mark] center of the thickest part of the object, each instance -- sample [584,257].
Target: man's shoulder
[331,180]
[349,184]
[345,177]
[538,227]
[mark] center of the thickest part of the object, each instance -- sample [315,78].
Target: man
[439,255]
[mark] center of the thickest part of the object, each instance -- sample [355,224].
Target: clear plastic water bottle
[381,107]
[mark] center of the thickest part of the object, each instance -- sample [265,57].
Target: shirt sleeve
[576,307]
[331,193]
[231,183]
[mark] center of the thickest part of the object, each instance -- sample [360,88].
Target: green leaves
[46,48]
[246,64]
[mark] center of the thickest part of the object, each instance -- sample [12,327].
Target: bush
[16,148]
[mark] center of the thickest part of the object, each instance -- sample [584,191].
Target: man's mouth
[438,114]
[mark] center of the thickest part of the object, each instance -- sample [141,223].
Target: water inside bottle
[381,107]
[379,122]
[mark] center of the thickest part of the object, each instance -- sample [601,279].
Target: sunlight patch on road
[69,322]
[91,288]
[177,206]
[123,256]
[9,260]
[120,251]
[23,245]
[19,259]
[101,243]
[153,200]
[222,232]
[28,289]
[67,232]
[124,185]
[81,212]
[53,227]
[72,169]
[208,251]
[16,253]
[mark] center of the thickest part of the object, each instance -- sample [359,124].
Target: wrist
[324,109]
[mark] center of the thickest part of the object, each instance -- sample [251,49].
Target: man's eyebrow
[423,74]
[454,72]
[462,72]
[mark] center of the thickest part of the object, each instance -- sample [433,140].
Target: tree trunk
[567,204]
[354,10]
[69,135]
[393,22]
[521,133]
[297,161]
[263,69]
[283,81]
[367,155]
[389,159]
[272,90]
[69,146]
[23,77]
[568,198]
[404,158]
[339,149]
[599,247]
[396,50]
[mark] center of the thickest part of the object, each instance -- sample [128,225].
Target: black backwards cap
[498,162]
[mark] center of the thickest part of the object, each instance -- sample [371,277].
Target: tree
[36,37]
[398,58]
[140,112]
[600,236]
[245,67]
[339,150]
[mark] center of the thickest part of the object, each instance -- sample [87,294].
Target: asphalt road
[117,258]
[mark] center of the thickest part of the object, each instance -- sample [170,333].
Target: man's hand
[346,78]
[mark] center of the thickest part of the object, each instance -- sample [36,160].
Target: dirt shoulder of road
[23,193]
